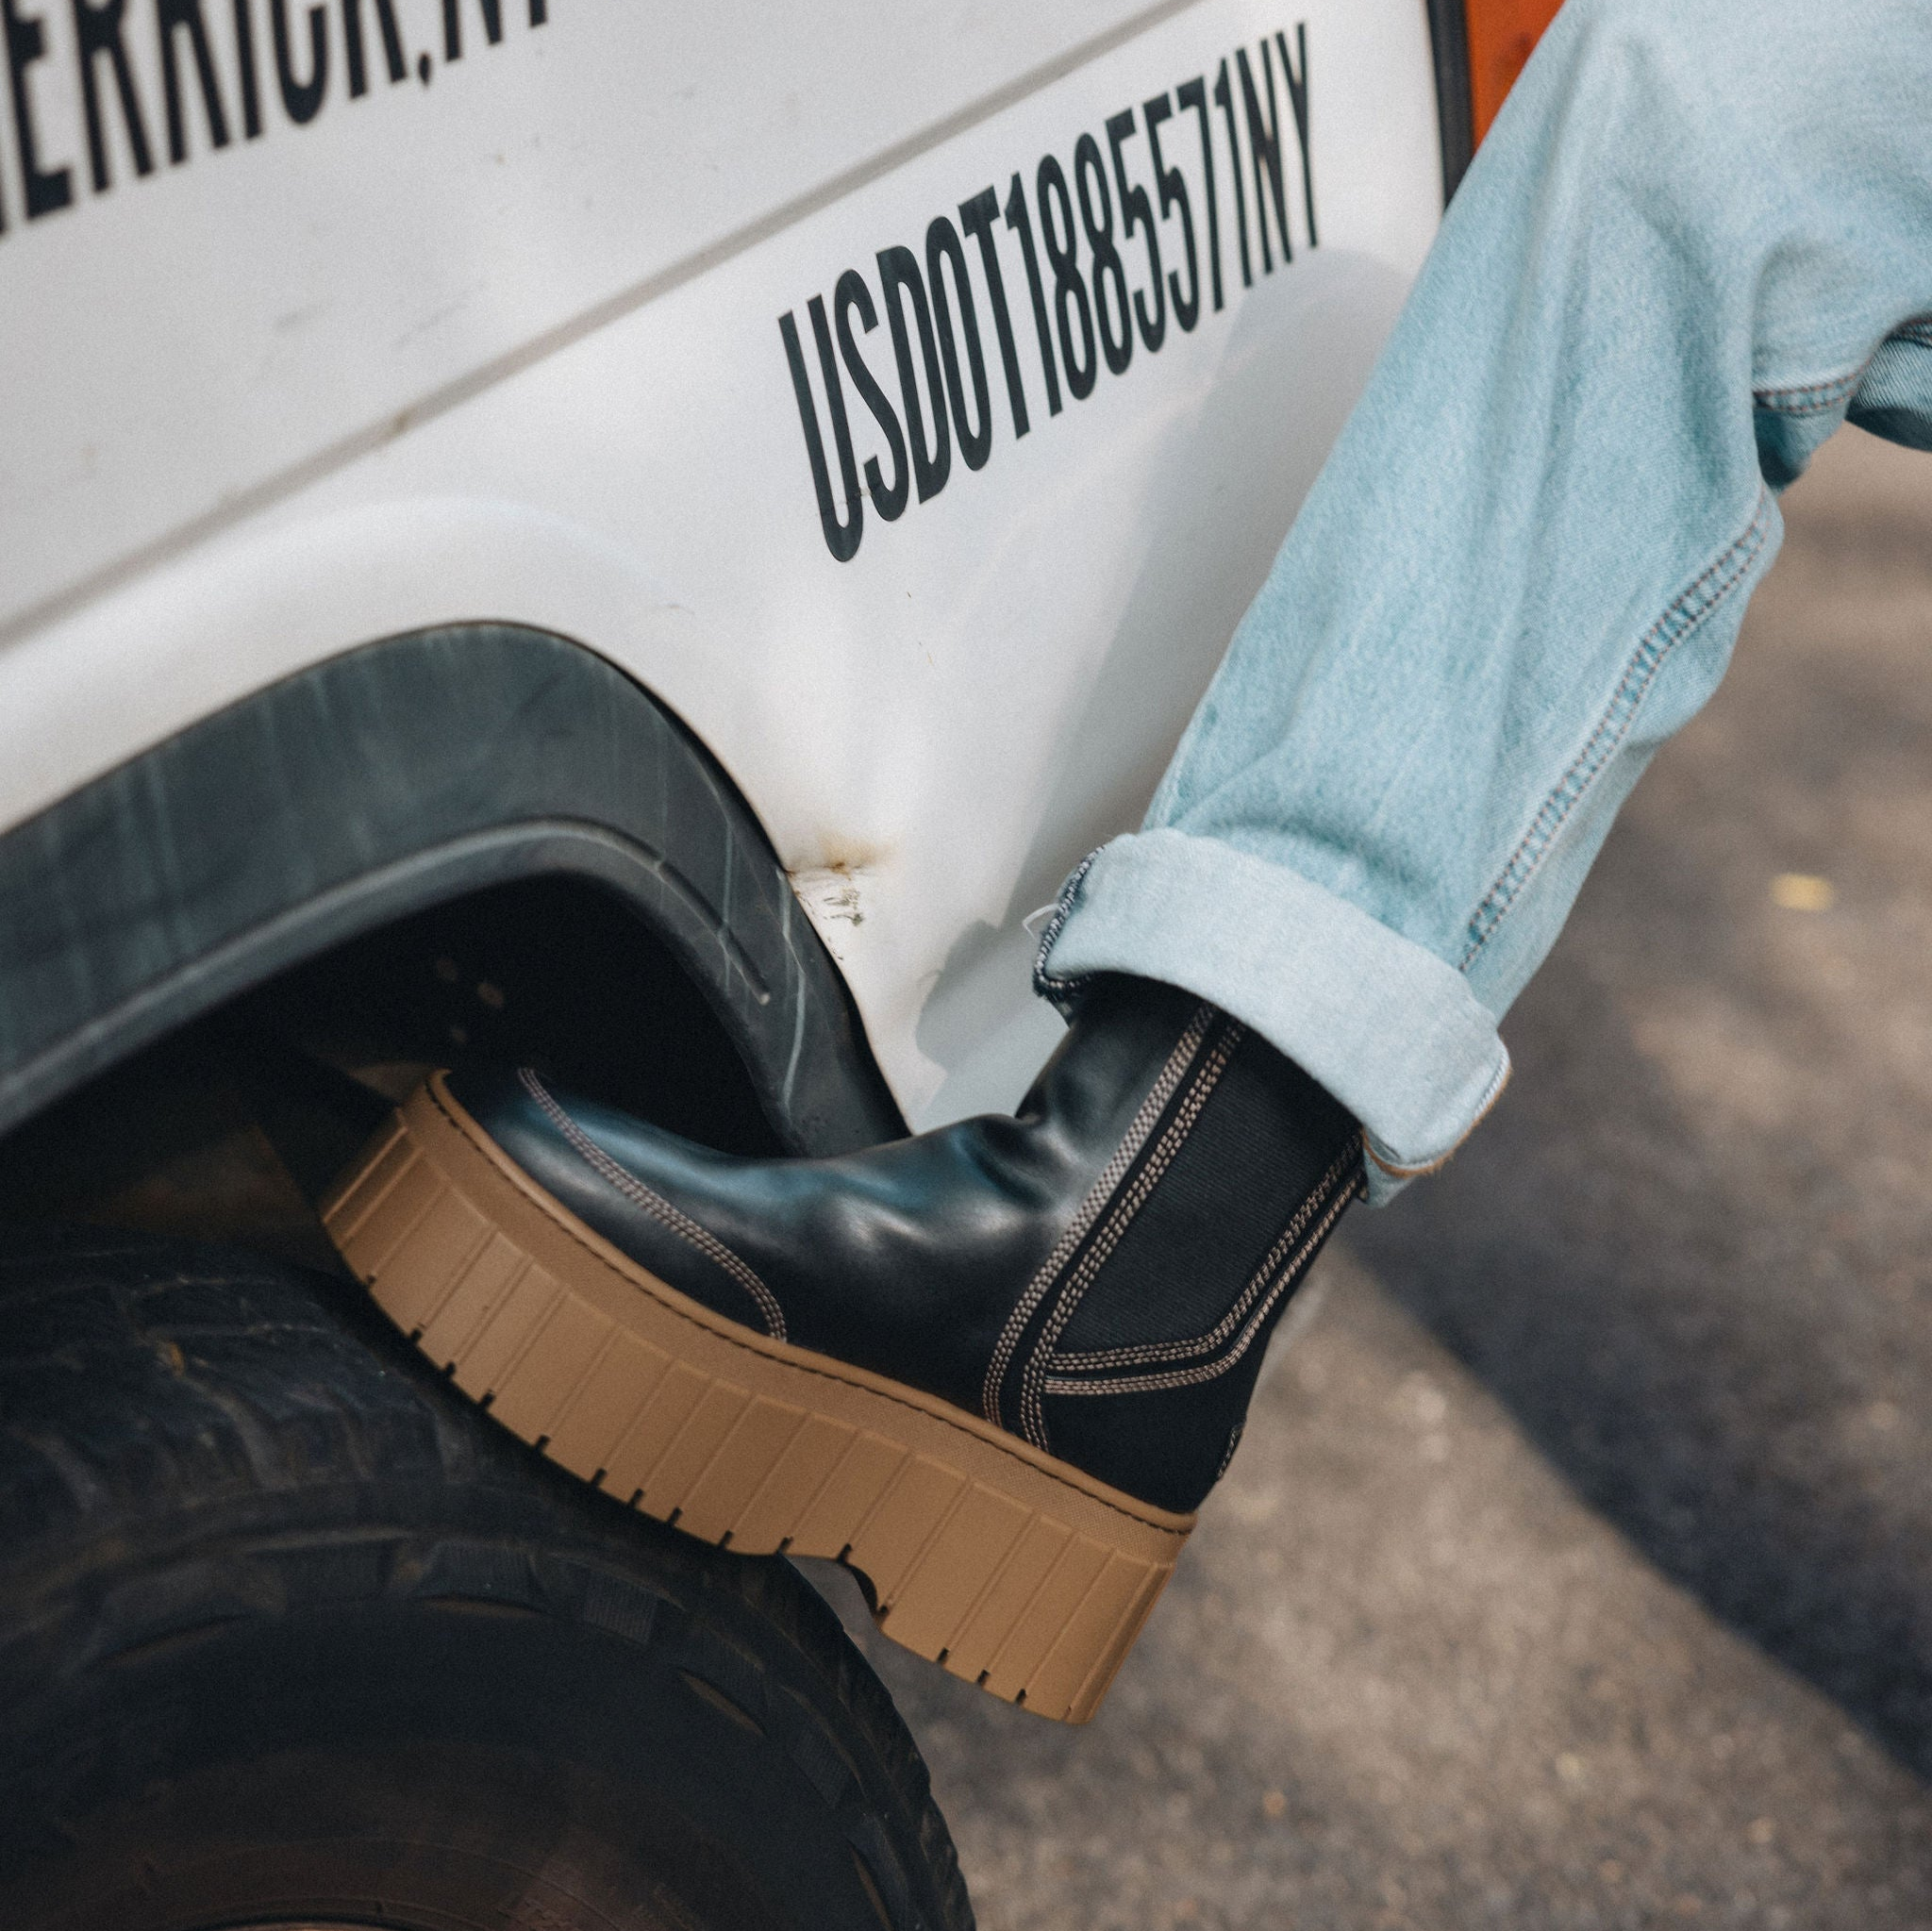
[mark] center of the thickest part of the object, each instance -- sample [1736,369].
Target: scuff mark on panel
[833,887]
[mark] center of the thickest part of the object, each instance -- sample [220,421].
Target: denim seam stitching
[1686,612]
[1811,398]
[1820,398]
[1061,991]
[1436,1162]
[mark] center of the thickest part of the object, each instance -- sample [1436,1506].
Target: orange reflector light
[1501,36]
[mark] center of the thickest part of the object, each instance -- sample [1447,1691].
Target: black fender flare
[383,781]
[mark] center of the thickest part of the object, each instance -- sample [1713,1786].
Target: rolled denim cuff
[1393,1031]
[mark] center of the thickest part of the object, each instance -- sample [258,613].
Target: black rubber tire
[289,1634]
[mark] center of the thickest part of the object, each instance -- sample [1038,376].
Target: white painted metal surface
[506,343]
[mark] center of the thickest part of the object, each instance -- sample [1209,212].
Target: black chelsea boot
[995,1366]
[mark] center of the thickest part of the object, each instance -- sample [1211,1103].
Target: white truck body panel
[506,345]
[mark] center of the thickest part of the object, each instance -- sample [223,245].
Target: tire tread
[180,1426]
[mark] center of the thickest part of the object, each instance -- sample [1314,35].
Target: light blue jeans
[1697,240]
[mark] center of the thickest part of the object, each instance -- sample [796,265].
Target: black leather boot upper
[1097,1273]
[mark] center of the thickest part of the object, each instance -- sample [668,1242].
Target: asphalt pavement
[1577,1567]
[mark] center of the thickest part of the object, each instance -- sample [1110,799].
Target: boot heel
[1008,1569]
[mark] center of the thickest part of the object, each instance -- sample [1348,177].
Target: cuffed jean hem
[1393,1031]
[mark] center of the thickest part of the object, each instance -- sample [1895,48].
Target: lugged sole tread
[983,1556]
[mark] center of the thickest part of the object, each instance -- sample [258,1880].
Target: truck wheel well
[478,840]
[383,783]
[230,1126]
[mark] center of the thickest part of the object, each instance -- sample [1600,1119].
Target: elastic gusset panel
[1261,1147]
[1171,1443]
[1203,1356]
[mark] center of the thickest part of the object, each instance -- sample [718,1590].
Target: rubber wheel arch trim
[396,776]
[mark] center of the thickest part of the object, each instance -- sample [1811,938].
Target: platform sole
[1005,1567]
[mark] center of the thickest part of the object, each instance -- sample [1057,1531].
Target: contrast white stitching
[1032,1415]
[1190,1377]
[634,1190]
[1055,989]
[1203,1345]
[1097,1195]
[1687,611]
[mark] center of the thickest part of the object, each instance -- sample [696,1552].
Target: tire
[290,1635]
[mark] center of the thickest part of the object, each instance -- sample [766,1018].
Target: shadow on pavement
[1692,1253]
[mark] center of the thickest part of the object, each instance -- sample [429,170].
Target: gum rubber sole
[1018,1572]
